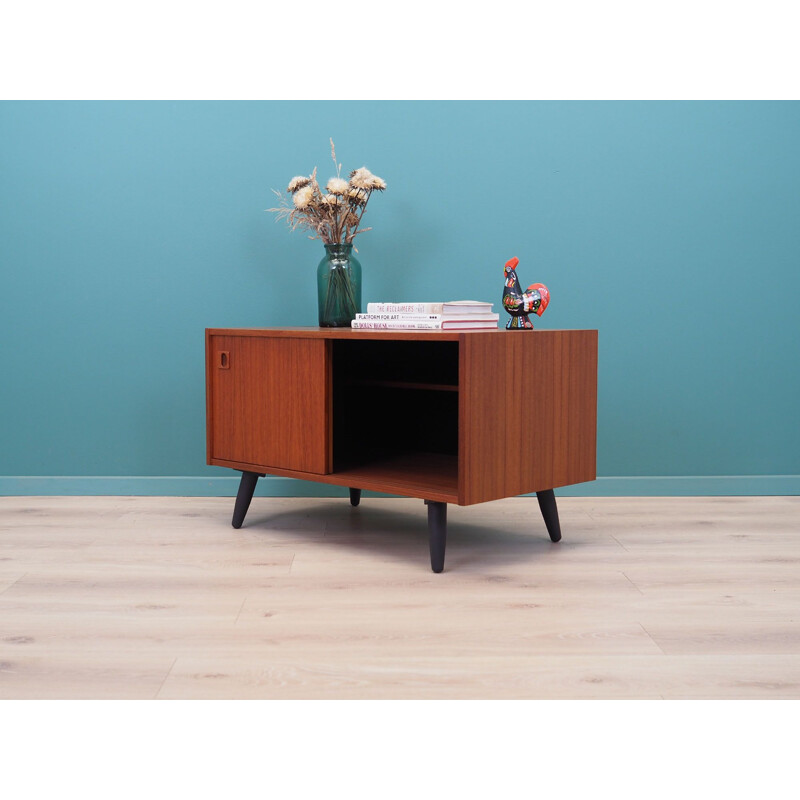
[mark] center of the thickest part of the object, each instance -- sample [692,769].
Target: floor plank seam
[14,583]
[663,653]
[619,542]
[241,607]
[169,672]
[631,583]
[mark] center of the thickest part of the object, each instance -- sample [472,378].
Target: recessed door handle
[224,359]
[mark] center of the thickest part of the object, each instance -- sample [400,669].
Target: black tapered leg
[437,532]
[547,503]
[246,488]
[355,497]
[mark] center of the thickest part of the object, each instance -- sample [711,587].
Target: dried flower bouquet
[335,214]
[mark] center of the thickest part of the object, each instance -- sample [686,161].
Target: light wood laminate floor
[135,597]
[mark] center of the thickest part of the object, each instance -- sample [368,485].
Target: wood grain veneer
[271,404]
[528,412]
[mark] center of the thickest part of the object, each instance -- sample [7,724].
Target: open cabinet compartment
[395,408]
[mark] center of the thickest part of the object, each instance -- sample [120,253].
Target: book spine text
[404,308]
[392,317]
[399,324]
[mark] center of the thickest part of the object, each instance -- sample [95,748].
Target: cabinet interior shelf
[433,475]
[435,387]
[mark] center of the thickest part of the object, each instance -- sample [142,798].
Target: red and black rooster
[518,303]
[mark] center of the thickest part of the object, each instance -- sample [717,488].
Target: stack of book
[457,315]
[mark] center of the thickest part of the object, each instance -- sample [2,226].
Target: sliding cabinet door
[268,402]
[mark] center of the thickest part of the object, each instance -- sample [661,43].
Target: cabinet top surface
[350,333]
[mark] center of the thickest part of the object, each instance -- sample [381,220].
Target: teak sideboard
[447,416]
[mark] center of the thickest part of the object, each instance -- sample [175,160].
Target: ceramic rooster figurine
[518,303]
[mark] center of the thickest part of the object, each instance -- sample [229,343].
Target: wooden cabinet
[447,416]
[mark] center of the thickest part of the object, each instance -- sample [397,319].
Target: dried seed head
[337,186]
[361,178]
[303,196]
[357,197]
[297,183]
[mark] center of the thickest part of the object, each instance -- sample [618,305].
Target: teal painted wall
[126,228]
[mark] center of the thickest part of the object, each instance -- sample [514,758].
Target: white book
[426,317]
[449,307]
[404,324]
[478,317]
[466,307]
[397,324]
[389,317]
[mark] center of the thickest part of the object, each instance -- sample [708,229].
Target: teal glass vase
[338,286]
